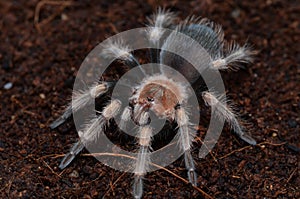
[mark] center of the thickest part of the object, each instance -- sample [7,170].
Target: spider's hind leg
[233,57]
[223,111]
[81,99]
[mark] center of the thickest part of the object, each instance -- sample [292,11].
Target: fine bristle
[234,57]
[80,100]
[116,50]
[185,134]
[222,111]
[162,19]
[93,130]
[120,51]
[193,20]
[207,33]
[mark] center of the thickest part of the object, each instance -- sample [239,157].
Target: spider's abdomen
[206,37]
[209,38]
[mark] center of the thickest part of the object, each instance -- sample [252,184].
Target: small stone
[74,174]
[64,17]
[42,96]
[23,151]
[235,13]
[8,86]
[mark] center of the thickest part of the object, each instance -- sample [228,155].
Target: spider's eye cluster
[150,99]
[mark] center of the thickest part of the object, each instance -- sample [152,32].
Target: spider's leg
[234,57]
[80,100]
[125,117]
[160,20]
[67,113]
[74,151]
[143,158]
[219,107]
[92,131]
[185,140]
[121,52]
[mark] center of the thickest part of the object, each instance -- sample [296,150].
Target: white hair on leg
[218,105]
[120,51]
[125,117]
[185,142]
[85,97]
[80,100]
[161,19]
[186,136]
[208,34]
[95,128]
[234,56]
[143,158]
[117,50]
[92,131]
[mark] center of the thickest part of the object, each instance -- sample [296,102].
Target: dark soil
[41,59]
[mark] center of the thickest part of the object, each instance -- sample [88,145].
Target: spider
[161,94]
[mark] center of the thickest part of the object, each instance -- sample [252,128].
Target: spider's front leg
[81,100]
[186,138]
[222,111]
[92,131]
[143,158]
[125,117]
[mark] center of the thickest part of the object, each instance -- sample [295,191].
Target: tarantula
[161,94]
